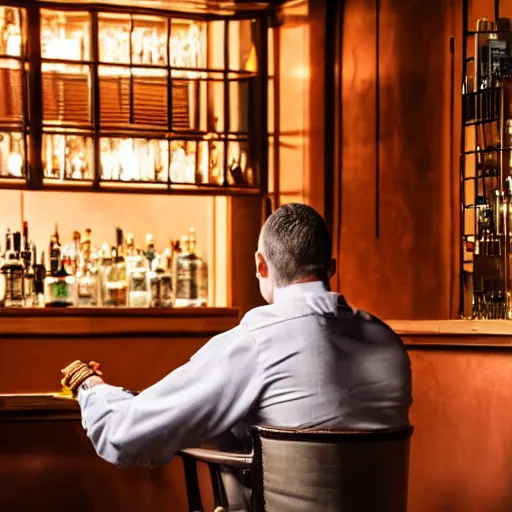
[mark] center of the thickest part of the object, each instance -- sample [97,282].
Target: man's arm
[197,402]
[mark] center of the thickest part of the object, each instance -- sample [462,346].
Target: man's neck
[302,287]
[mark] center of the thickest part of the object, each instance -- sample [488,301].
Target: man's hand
[77,373]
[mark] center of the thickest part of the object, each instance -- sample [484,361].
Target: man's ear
[261,265]
[332,269]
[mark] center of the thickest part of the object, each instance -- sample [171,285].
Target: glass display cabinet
[135,98]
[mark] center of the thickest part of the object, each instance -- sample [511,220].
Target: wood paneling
[47,463]
[397,168]
[51,465]
[301,106]
[245,216]
[461,452]
[134,351]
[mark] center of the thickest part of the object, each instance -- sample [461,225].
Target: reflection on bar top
[452,327]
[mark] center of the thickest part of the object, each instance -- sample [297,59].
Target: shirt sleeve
[197,402]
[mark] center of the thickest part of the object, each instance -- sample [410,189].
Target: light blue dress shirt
[307,360]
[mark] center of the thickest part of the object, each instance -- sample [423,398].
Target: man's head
[294,246]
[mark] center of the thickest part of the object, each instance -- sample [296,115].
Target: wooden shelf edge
[493,328]
[37,407]
[111,322]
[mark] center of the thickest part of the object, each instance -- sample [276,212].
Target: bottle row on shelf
[119,275]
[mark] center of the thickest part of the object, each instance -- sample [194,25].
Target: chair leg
[195,503]
[219,492]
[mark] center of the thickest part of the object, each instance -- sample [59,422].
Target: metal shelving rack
[486,206]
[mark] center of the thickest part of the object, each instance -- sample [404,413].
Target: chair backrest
[330,471]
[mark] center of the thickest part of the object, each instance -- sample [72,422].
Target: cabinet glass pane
[183,162]
[11,32]
[66,94]
[12,155]
[67,157]
[242,50]
[187,44]
[134,160]
[114,38]
[114,95]
[65,35]
[11,92]
[240,171]
[149,41]
[239,101]
[150,97]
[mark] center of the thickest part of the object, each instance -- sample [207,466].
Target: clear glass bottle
[162,289]
[139,293]
[59,284]
[191,275]
[28,255]
[39,279]
[133,255]
[105,262]
[115,284]
[138,286]
[87,283]
[13,272]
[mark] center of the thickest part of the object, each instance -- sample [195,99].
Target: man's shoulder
[263,316]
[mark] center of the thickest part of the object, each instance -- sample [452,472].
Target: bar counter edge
[436,334]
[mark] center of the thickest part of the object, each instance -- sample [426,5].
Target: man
[307,359]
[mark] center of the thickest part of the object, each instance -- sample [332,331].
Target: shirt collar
[297,289]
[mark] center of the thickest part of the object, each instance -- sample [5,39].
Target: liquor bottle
[27,255]
[139,293]
[13,272]
[105,262]
[39,279]
[116,285]
[139,287]
[191,274]
[162,289]
[133,256]
[29,261]
[87,282]
[59,284]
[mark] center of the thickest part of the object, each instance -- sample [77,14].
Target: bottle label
[86,294]
[155,292]
[116,296]
[138,282]
[166,294]
[60,290]
[14,286]
[186,283]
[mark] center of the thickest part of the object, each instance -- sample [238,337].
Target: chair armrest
[215,459]
[224,459]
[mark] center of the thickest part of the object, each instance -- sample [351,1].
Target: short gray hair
[296,243]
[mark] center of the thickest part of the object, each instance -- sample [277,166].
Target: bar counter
[461,453]
[46,461]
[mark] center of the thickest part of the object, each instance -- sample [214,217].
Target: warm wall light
[302,72]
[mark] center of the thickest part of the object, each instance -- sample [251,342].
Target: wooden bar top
[38,407]
[454,333]
[487,327]
[115,321]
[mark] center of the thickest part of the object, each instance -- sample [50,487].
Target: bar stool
[312,470]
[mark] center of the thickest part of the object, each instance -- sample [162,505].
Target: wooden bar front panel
[461,452]
[46,461]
